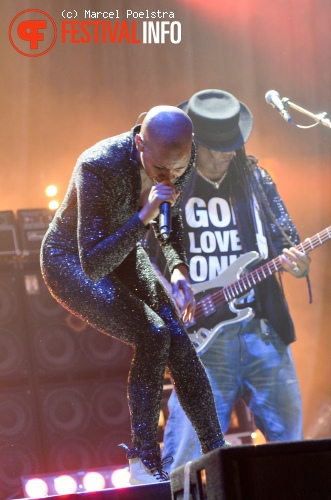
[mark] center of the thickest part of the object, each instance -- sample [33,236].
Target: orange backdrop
[56,105]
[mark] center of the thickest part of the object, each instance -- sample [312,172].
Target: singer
[94,265]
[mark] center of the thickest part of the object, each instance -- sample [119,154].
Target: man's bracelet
[304,274]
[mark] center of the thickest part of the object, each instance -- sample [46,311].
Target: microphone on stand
[165,220]
[272,97]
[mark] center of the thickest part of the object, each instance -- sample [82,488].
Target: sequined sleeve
[106,231]
[282,216]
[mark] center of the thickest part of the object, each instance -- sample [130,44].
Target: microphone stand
[320,118]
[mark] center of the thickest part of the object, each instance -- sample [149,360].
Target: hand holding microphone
[161,197]
[165,217]
[165,220]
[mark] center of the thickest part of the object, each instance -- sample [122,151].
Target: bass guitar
[217,300]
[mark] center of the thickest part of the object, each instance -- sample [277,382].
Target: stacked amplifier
[63,402]
[21,235]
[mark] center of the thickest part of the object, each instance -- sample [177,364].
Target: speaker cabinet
[33,225]
[279,471]
[9,243]
[63,403]
[14,355]
[80,376]
[20,444]
[63,345]
[83,424]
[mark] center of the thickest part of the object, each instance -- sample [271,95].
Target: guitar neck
[249,280]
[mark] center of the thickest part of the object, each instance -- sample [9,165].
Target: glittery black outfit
[94,265]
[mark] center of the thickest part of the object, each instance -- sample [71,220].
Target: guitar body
[217,299]
[213,314]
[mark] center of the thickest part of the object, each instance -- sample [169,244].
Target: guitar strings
[259,274]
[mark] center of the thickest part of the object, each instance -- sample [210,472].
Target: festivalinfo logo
[33,32]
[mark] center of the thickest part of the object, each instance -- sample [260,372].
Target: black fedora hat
[220,121]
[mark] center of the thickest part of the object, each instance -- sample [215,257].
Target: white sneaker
[140,474]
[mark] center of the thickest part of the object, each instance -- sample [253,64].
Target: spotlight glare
[71,482]
[51,190]
[94,481]
[53,205]
[36,488]
[120,478]
[65,484]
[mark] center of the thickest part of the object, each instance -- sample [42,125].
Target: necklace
[216,184]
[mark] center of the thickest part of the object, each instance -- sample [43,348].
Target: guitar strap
[261,239]
[270,294]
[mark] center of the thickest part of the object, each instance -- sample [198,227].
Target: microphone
[272,97]
[165,220]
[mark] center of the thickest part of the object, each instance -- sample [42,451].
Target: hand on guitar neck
[295,261]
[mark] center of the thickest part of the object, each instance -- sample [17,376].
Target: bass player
[230,207]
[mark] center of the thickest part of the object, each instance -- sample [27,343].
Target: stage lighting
[120,478]
[94,481]
[53,205]
[64,483]
[36,488]
[51,191]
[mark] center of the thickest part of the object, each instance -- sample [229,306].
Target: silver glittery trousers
[132,305]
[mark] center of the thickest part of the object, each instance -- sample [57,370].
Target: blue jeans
[247,361]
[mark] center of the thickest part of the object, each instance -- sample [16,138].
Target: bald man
[94,265]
